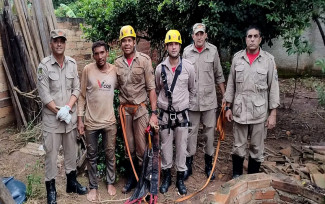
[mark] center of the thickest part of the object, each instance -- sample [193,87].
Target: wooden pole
[14,92]
[43,30]
[47,14]
[34,31]
[26,35]
[14,104]
[5,196]
[51,9]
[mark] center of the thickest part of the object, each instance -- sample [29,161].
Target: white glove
[63,113]
[68,119]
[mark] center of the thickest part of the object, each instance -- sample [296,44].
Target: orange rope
[220,128]
[123,118]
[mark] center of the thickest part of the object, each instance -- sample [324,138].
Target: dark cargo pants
[109,141]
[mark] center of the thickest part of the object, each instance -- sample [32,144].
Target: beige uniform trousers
[256,133]
[180,134]
[208,119]
[136,135]
[52,143]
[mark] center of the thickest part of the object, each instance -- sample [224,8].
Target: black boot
[253,166]
[188,172]
[166,181]
[131,182]
[208,166]
[51,191]
[73,186]
[180,183]
[237,165]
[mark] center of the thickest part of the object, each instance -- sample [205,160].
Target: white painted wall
[306,61]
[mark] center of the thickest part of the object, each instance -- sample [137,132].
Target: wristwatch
[227,108]
[155,112]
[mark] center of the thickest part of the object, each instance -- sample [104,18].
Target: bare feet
[92,195]
[111,189]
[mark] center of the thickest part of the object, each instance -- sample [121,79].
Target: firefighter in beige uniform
[136,82]
[203,106]
[252,97]
[58,87]
[175,86]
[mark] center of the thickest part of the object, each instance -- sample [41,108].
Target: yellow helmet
[173,36]
[127,31]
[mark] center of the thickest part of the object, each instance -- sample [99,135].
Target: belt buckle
[172,116]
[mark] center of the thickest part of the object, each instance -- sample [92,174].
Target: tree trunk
[320,28]
[5,196]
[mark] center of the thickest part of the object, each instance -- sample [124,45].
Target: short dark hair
[253,27]
[99,44]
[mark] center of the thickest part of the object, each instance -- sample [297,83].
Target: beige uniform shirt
[252,89]
[184,88]
[97,95]
[208,73]
[135,81]
[57,84]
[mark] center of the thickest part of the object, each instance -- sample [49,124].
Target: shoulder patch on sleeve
[40,73]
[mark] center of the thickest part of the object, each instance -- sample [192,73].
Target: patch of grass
[35,187]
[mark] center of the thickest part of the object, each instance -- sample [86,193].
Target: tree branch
[315,18]
[296,76]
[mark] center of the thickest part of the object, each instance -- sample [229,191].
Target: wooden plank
[36,61]
[43,31]
[16,111]
[14,93]
[30,79]
[313,168]
[319,157]
[30,19]
[315,147]
[5,196]
[51,8]
[319,179]
[278,159]
[26,35]
[47,14]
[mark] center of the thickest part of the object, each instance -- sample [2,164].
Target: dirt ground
[302,124]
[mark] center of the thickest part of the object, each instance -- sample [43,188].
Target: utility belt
[172,116]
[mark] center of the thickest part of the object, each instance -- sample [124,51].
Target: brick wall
[76,47]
